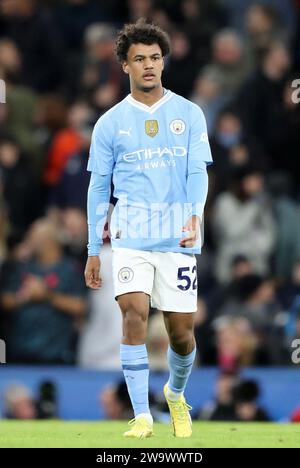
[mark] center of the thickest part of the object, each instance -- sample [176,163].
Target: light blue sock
[134,359]
[180,369]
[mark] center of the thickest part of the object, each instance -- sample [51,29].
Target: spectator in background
[44,297]
[241,266]
[222,407]
[255,301]
[232,149]
[101,77]
[286,141]
[222,293]
[160,16]
[236,400]
[74,232]
[18,403]
[245,395]
[217,295]
[21,104]
[64,140]
[138,9]
[207,94]
[74,17]
[47,404]
[254,298]
[10,61]
[39,40]
[260,98]
[180,68]
[288,290]
[70,188]
[262,25]
[115,402]
[200,20]
[228,61]
[19,188]
[243,223]
[287,218]
[235,341]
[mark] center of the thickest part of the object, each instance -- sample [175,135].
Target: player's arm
[101,163]
[199,156]
[97,209]
[197,189]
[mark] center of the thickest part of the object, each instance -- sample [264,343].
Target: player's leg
[134,357]
[133,284]
[181,351]
[181,356]
[175,293]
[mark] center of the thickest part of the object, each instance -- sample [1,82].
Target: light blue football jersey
[150,151]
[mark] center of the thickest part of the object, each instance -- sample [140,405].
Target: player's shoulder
[187,105]
[109,117]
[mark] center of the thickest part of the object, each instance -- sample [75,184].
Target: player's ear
[125,67]
[163,63]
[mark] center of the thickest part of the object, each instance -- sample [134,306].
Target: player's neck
[148,98]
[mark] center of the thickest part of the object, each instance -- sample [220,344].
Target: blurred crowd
[238,60]
[234,398]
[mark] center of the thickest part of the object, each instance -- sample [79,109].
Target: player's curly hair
[141,32]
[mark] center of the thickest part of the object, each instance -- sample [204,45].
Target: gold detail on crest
[151,127]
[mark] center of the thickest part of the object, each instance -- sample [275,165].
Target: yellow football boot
[180,416]
[141,429]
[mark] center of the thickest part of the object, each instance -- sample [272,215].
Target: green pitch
[109,434]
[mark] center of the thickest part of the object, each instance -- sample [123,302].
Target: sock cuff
[133,352]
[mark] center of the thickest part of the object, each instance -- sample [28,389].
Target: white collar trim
[150,109]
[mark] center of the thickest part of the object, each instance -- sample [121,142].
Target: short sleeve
[101,157]
[199,149]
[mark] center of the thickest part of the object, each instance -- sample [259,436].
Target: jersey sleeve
[197,189]
[101,157]
[97,209]
[199,149]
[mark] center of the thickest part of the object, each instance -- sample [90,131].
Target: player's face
[144,65]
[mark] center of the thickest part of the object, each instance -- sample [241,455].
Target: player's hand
[192,227]
[92,275]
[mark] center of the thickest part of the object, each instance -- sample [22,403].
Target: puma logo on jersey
[125,132]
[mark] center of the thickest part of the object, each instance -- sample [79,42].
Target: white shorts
[169,278]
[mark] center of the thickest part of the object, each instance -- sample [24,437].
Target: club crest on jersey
[125,275]
[177,126]
[151,127]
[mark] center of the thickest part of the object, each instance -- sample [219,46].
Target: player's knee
[134,323]
[133,320]
[182,342]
